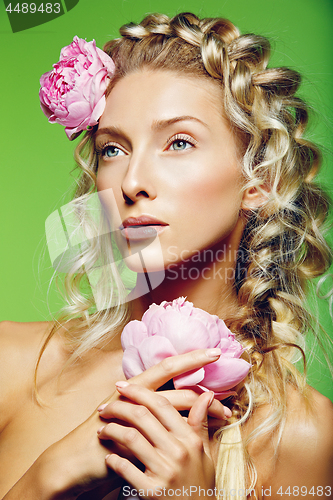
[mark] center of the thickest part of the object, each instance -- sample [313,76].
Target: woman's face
[173,164]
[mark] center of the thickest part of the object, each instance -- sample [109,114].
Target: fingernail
[101,408]
[211,399]
[121,384]
[213,353]
[100,429]
[227,411]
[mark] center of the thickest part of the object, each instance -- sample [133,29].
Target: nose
[139,180]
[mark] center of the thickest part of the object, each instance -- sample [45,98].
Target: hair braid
[283,245]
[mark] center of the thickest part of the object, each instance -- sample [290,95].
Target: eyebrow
[161,124]
[157,125]
[109,131]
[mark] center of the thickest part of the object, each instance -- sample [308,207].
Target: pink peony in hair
[72,94]
[178,327]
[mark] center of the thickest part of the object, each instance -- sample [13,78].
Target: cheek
[110,183]
[109,199]
[208,209]
[213,192]
[103,180]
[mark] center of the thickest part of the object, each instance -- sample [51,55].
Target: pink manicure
[213,353]
[211,398]
[101,408]
[121,384]
[227,411]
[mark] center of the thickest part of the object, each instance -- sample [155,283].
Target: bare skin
[305,452]
[27,430]
[164,145]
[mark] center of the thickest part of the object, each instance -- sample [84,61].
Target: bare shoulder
[19,347]
[20,339]
[304,456]
[309,425]
[307,440]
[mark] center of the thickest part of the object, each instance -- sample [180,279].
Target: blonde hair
[282,246]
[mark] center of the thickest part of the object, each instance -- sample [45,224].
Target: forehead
[148,95]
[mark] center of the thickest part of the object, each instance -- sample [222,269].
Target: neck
[206,279]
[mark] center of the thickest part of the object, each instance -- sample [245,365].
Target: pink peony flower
[72,94]
[178,327]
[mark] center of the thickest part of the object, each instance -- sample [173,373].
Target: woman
[202,144]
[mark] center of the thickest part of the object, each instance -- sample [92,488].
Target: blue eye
[180,142]
[111,151]
[180,145]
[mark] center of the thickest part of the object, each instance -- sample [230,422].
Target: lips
[143,227]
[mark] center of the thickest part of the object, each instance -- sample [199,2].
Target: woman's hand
[181,399]
[176,454]
[76,463]
[89,457]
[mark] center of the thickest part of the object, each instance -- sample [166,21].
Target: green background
[37,159]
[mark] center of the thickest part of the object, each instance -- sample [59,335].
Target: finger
[184,399]
[159,406]
[181,399]
[143,420]
[136,443]
[198,417]
[170,367]
[129,472]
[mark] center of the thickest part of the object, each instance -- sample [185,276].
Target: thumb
[198,417]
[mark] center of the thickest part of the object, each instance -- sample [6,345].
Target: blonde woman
[202,144]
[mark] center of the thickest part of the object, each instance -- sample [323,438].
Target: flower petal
[189,379]
[154,349]
[178,327]
[133,334]
[72,94]
[225,373]
[106,60]
[132,364]
[185,333]
[224,331]
[230,347]
[97,111]
[151,318]
[219,395]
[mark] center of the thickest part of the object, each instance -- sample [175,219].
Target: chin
[150,272]
[144,256]
[143,263]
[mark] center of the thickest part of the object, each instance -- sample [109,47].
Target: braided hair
[283,244]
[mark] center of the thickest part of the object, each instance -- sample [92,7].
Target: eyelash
[181,137]
[100,150]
